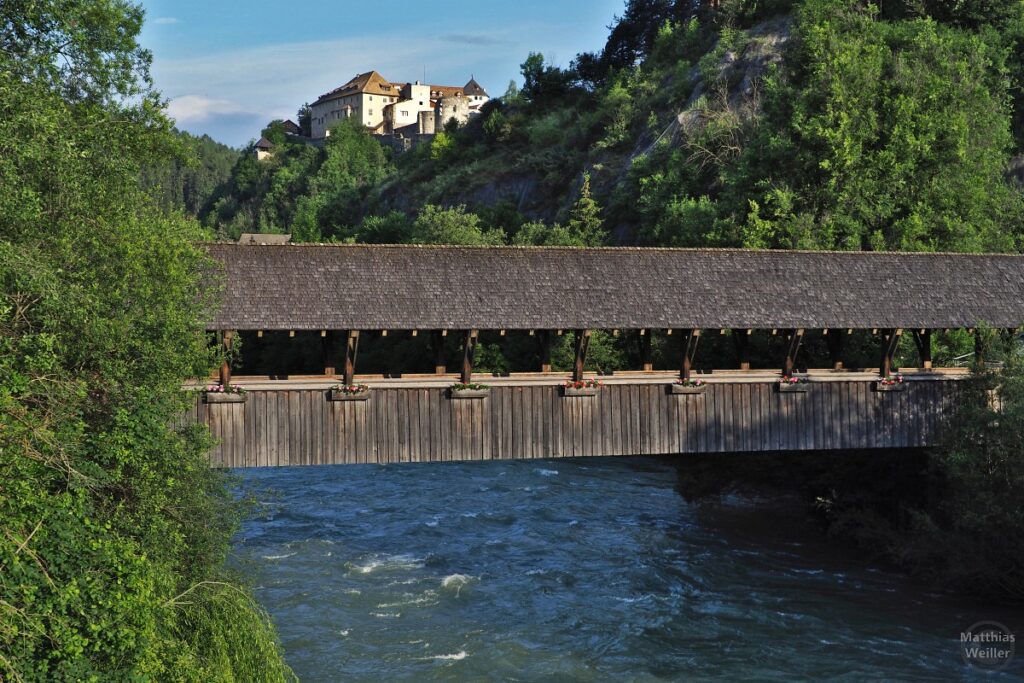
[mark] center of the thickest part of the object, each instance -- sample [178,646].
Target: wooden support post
[545,350]
[796,338]
[351,349]
[468,353]
[890,340]
[227,338]
[923,342]
[582,344]
[645,351]
[330,347]
[689,351]
[440,358]
[836,340]
[979,349]
[741,340]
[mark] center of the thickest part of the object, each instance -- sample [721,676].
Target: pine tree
[585,217]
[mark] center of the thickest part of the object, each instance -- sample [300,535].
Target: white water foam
[462,654]
[457,581]
[277,557]
[546,473]
[458,656]
[386,563]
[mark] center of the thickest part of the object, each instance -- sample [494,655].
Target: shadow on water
[592,569]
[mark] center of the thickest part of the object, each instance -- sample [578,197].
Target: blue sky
[229,67]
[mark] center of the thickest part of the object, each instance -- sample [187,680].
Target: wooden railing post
[890,340]
[923,342]
[582,344]
[645,350]
[545,350]
[440,359]
[329,343]
[468,353]
[690,342]
[351,349]
[796,338]
[227,338]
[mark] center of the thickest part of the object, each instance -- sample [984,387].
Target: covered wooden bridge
[343,291]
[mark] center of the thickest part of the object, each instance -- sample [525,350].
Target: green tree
[113,528]
[585,217]
[879,144]
[437,225]
[968,537]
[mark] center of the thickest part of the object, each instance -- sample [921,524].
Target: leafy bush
[109,513]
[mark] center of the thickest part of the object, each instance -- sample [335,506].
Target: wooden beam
[227,338]
[689,341]
[468,354]
[796,338]
[890,340]
[836,340]
[440,358]
[645,351]
[923,342]
[351,350]
[330,351]
[545,350]
[741,340]
[582,345]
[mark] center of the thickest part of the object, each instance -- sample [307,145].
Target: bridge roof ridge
[615,249]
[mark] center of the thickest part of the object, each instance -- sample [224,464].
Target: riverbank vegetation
[113,529]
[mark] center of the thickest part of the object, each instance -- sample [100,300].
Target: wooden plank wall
[301,427]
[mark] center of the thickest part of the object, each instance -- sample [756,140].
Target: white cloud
[196,108]
[165,21]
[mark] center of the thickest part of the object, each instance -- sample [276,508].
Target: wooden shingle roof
[313,287]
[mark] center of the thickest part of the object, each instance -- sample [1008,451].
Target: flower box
[885,387]
[792,387]
[469,393]
[342,395]
[687,388]
[580,391]
[471,390]
[223,397]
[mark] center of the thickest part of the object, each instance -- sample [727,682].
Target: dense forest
[113,527]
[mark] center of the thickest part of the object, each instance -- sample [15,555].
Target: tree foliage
[193,180]
[109,514]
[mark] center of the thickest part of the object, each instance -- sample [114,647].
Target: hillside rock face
[733,95]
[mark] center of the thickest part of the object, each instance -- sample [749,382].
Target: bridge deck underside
[289,424]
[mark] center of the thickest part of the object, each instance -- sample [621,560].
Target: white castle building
[387,108]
